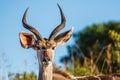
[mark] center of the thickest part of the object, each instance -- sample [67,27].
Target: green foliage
[80,70]
[96,50]
[25,76]
[115,36]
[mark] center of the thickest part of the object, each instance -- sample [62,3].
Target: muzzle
[46,61]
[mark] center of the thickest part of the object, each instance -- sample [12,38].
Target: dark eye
[38,47]
[53,48]
[43,47]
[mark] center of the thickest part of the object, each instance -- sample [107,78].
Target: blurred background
[93,49]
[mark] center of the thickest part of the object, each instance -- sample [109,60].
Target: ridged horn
[59,27]
[30,28]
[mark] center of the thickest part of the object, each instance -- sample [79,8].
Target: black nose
[46,61]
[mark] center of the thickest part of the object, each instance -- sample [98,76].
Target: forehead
[47,43]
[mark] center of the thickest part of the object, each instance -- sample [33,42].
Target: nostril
[45,60]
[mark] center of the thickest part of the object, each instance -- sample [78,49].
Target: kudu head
[44,47]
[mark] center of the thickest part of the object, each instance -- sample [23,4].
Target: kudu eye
[38,48]
[42,47]
[53,48]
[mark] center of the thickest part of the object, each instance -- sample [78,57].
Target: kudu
[44,47]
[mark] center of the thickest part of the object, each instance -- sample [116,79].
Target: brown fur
[115,76]
[60,73]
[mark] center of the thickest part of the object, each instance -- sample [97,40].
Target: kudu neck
[45,73]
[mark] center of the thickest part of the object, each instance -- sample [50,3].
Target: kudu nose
[46,61]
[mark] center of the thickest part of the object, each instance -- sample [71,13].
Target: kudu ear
[63,37]
[27,40]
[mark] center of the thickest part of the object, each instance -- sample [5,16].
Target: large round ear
[63,37]
[27,40]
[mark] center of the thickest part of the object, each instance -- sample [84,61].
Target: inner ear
[63,37]
[27,40]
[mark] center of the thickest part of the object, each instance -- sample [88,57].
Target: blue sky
[44,16]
